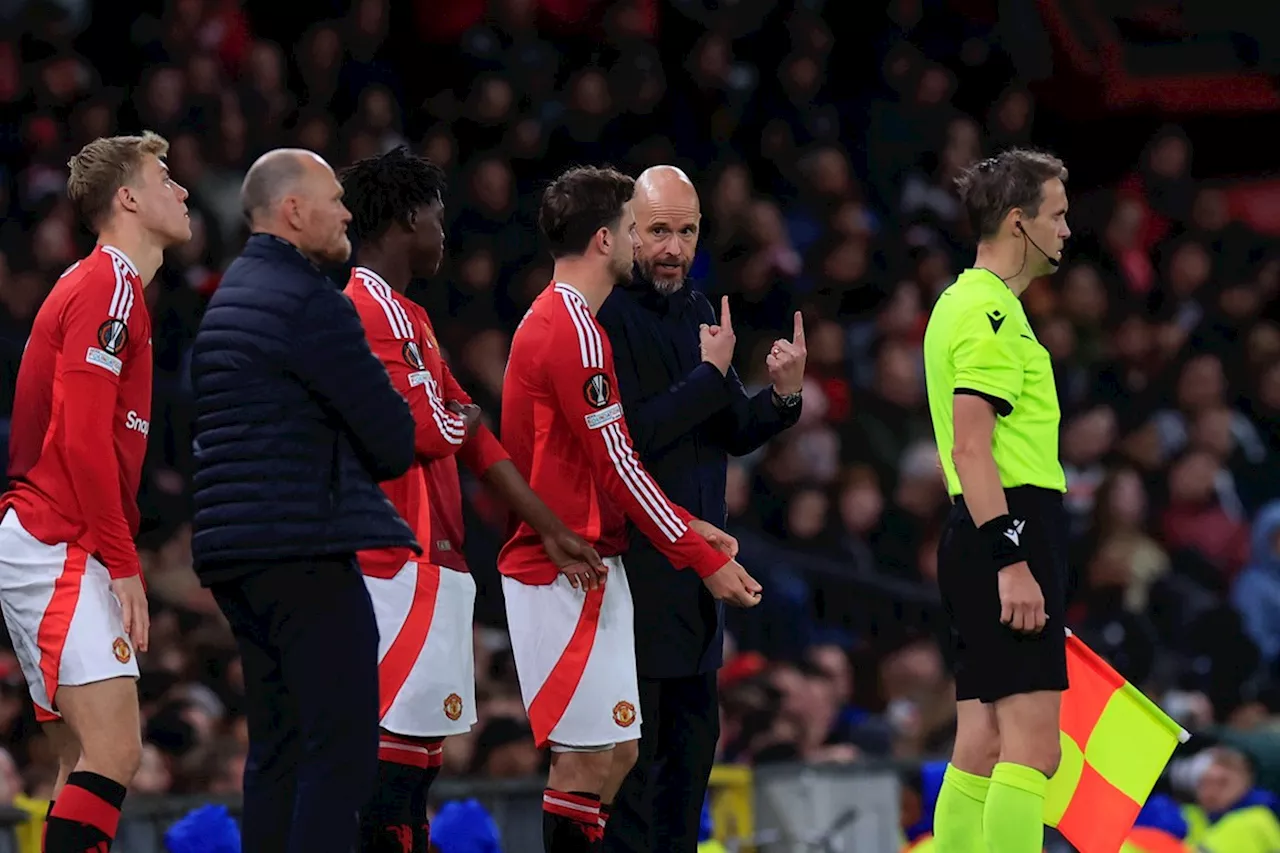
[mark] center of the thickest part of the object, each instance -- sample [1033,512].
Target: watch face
[787,399]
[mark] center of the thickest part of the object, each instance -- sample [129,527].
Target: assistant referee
[1001,558]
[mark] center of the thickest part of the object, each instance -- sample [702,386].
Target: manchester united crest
[453,706]
[121,650]
[624,714]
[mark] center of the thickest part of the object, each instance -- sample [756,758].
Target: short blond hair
[105,165]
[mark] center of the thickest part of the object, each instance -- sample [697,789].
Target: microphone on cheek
[1053,262]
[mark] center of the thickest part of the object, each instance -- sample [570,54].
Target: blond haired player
[70,581]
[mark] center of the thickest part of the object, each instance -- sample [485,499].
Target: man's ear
[1012,220]
[127,199]
[292,212]
[605,239]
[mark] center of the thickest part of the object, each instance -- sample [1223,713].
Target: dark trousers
[309,649]
[659,808]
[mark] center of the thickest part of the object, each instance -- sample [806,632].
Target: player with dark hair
[563,422]
[70,579]
[426,670]
[1001,557]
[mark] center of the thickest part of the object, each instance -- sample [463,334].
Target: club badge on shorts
[453,706]
[624,714]
[121,650]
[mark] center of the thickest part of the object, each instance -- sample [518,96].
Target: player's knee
[625,755]
[116,757]
[576,769]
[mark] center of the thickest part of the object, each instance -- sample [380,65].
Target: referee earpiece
[1053,262]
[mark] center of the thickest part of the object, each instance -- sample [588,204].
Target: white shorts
[63,618]
[575,655]
[426,654]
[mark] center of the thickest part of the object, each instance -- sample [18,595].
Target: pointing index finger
[726,319]
[797,337]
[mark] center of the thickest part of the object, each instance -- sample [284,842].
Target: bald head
[273,176]
[664,184]
[668,219]
[293,194]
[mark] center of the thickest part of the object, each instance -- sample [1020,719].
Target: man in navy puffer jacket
[296,424]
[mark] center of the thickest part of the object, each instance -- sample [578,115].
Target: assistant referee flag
[979,342]
[1115,744]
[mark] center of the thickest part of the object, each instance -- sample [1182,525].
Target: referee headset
[989,165]
[1053,262]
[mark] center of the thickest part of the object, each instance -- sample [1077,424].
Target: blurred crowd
[818,193]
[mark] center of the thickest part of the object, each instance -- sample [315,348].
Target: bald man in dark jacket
[296,424]
[687,412]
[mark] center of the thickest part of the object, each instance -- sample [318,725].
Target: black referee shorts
[991,660]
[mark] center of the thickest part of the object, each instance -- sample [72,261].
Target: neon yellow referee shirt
[979,341]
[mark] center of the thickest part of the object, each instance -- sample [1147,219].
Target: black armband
[1003,535]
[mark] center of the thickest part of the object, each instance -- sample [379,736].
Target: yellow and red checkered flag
[1115,745]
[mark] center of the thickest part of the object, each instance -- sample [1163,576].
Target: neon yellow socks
[1013,820]
[958,816]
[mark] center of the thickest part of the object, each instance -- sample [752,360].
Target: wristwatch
[786,401]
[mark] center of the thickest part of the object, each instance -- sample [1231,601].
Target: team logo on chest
[598,391]
[113,336]
[413,355]
[453,706]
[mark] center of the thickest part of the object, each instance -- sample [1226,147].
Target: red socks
[85,816]
[571,822]
[395,820]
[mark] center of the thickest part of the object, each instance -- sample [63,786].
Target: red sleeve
[583,381]
[438,432]
[95,345]
[482,450]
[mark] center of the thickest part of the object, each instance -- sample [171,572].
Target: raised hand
[718,341]
[786,361]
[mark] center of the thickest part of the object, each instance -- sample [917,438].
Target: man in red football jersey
[424,607]
[70,579]
[564,425]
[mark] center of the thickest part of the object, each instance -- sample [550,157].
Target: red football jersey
[563,424]
[82,411]
[428,496]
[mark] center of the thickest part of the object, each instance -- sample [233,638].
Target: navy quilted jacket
[296,420]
